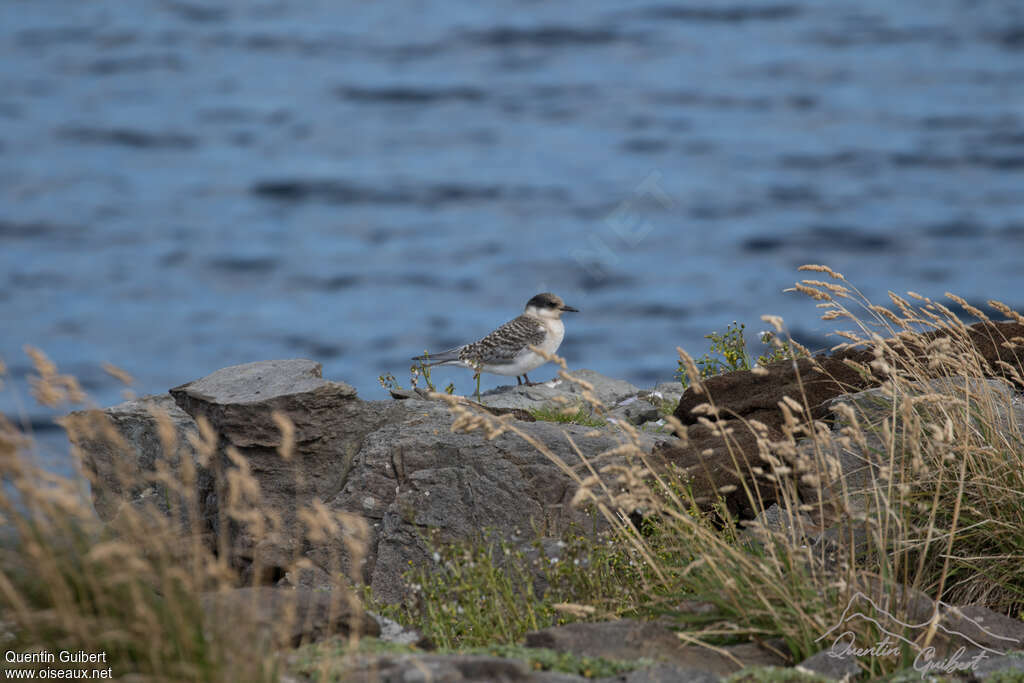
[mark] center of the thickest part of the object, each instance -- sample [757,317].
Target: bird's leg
[477,377]
[528,382]
[519,381]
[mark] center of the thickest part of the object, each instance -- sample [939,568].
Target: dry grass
[941,511]
[134,588]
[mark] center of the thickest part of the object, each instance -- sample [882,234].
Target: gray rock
[971,627]
[632,639]
[393,632]
[635,411]
[1010,664]
[284,616]
[239,400]
[416,474]
[432,668]
[775,520]
[330,425]
[663,673]
[825,664]
[121,449]
[394,464]
[607,390]
[670,392]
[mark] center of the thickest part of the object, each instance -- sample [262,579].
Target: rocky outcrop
[745,398]
[395,464]
[305,452]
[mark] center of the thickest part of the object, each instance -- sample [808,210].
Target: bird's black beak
[569,309]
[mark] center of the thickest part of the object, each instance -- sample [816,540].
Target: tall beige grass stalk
[136,588]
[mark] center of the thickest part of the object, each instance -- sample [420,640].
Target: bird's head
[547,305]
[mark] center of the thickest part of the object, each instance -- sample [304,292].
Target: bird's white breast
[555,333]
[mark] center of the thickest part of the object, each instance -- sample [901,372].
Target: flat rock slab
[606,389]
[633,639]
[239,400]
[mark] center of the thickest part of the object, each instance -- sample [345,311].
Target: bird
[506,350]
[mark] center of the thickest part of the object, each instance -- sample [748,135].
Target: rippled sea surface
[186,185]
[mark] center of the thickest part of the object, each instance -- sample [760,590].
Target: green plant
[474,594]
[421,368]
[388,382]
[729,353]
[484,592]
[568,415]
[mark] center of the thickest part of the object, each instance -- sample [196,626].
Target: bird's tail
[439,358]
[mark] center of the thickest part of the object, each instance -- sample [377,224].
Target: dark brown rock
[746,395]
[743,396]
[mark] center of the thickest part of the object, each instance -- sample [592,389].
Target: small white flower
[436,556]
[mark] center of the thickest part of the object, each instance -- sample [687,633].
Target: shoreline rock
[395,473]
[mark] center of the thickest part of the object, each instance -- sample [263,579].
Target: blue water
[188,185]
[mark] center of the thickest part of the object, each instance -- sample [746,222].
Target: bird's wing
[506,342]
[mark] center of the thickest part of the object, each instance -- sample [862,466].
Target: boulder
[748,395]
[972,627]
[395,465]
[120,448]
